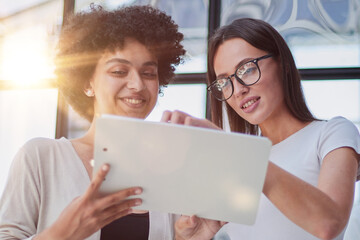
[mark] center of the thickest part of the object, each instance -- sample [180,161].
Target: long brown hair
[263,36]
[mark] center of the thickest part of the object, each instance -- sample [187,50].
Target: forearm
[304,204]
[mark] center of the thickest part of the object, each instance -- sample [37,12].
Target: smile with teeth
[249,103]
[133,101]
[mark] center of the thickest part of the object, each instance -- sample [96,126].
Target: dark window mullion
[63,108]
[213,24]
[330,73]
[189,78]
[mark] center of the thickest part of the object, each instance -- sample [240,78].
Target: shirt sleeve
[339,132]
[20,201]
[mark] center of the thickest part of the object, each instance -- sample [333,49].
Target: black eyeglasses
[246,74]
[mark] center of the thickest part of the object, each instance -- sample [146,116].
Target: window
[28,97]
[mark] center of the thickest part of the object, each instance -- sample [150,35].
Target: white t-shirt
[353,228]
[300,154]
[45,176]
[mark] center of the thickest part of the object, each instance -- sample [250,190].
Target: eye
[150,74]
[250,70]
[246,70]
[119,73]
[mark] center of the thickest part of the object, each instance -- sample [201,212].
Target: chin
[254,121]
[134,116]
[137,115]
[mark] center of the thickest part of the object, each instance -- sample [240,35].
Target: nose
[239,89]
[135,82]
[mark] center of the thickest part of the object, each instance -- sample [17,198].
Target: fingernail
[138,202]
[138,191]
[105,168]
[92,162]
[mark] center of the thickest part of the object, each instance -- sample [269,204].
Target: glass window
[28,99]
[330,98]
[28,62]
[190,15]
[189,98]
[25,114]
[16,6]
[329,28]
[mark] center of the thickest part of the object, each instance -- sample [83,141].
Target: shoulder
[340,121]
[41,141]
[338,132]
[44,144]
[340,124]
[37,148]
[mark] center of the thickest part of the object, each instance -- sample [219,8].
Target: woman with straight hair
[309,185]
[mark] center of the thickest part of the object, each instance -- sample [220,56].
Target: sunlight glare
[25,57]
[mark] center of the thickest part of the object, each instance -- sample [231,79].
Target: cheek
[153,88]
[275,88]
[231,103]
[273,95]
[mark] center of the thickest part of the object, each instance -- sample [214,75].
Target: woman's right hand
[90,212]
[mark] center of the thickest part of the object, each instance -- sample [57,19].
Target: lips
[249,102]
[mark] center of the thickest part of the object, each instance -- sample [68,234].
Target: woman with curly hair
[108,62]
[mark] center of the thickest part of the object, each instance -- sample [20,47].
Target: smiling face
[126,81]
[260,102]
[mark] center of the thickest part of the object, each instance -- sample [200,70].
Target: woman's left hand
[195,228]
[182,118]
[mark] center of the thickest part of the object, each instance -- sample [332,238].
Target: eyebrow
[124,61]
[236,67]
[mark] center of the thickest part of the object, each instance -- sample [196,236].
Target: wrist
[49,234]
[177,237]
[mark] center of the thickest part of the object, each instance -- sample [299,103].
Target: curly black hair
[85,36]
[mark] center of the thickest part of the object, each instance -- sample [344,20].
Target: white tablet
[183,170]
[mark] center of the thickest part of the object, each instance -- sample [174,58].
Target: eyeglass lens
[248,73]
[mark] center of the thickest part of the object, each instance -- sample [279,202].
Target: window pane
[190,15]
[329,28]
[189,98]
[28,33]
[25,114]
[14,6]
[327,99]
[27,40]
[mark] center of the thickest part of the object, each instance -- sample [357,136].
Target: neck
[89,136]
[84,145]
[281,127]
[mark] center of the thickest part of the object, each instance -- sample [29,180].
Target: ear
[88,89]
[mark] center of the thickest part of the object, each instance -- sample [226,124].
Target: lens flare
[25,57]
